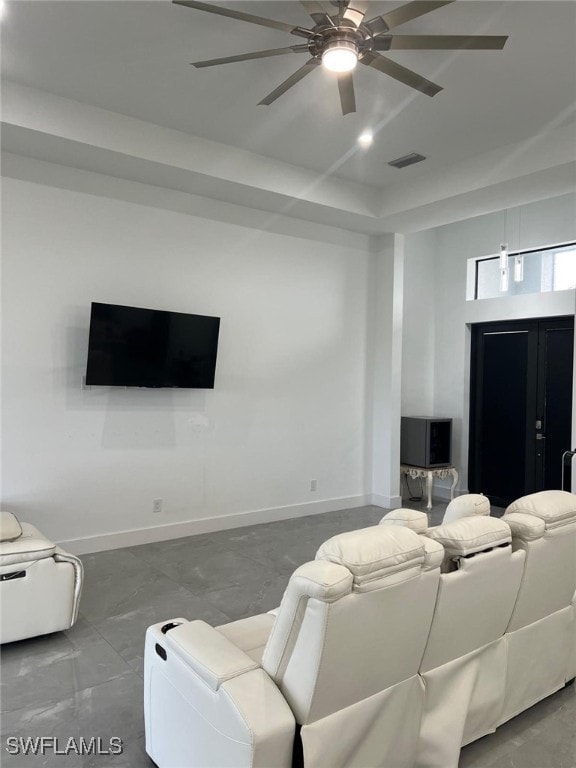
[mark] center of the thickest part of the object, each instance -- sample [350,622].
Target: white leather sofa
[399,644]
[40,584]
[334,674]
[536,655]
[541,635]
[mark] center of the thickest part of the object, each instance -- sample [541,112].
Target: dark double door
[520,406]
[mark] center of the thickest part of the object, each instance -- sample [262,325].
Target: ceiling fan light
[340,56]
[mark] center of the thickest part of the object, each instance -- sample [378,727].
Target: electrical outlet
[157,506]
[313,485]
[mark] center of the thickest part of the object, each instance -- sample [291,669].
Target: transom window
[533,271]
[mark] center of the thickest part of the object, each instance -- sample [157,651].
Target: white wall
[316,339]
[384,367]
[289,403]
[530,226]
[418,324]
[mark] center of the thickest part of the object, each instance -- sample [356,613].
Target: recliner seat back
[543,624]
[464,663]
[478,588]
[544,526]
[350,631]
[363,600]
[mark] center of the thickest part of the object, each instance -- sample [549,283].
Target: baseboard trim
[443,492]
[386,502]
[106,541]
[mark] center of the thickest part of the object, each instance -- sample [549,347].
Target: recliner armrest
[213,657]
[206,703]
[29,546]
[61,556]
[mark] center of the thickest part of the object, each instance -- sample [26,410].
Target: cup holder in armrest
[169,626]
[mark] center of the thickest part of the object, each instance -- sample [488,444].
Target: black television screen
[133,347]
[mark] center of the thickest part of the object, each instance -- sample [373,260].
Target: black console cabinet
[426,442]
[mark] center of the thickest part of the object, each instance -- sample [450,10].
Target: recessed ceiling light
[365,139]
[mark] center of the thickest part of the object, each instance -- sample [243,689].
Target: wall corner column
[384,370]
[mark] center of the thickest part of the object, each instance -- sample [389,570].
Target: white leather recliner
[40,584]
[541,635]
[464,664]
[338,678]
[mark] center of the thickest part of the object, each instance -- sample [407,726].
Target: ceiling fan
[341,37]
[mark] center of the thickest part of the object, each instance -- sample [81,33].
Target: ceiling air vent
[410,159]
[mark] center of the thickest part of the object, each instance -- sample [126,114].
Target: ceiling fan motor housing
[339,37]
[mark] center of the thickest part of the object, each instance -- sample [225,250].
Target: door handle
[540,436]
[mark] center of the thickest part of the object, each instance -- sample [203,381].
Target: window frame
[512,254]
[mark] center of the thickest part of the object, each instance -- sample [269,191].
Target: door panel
[521,378]
[556,366]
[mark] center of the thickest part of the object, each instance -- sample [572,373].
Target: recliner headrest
[468,505]
[525,527]
[471,534]
[10,528]
[373,553]
[555,508]
[409,518]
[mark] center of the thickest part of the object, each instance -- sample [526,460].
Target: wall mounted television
[135,347]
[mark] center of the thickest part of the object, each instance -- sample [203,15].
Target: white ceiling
[133,58]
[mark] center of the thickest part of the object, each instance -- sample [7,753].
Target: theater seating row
[397,645]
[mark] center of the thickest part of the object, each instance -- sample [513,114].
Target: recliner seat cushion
[251,634]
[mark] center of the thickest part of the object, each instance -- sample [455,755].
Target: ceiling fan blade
[290,81]
[355,11]
[400,73]
[381,24]
[247,56]
[439,42]
[346,88]
[241,16]
[318,13]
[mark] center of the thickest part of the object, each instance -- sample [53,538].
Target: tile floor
[88,681]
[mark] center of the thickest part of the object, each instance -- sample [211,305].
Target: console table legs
[429,481]
[429,475]
[454,474]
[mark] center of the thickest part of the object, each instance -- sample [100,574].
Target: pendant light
[504,281]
